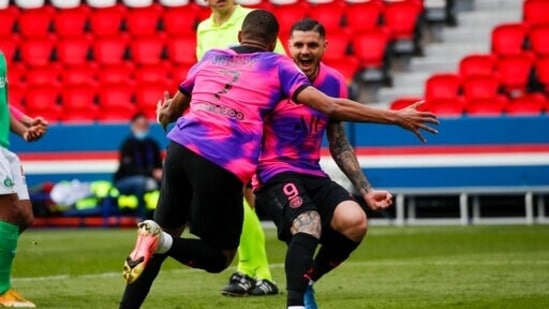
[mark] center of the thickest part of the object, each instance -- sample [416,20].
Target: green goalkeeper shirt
[209,35]
[4,110]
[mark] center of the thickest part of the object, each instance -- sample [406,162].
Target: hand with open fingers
[413,120]
[163,110]
[378,199]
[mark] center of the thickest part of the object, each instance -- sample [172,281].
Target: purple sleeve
[292,80]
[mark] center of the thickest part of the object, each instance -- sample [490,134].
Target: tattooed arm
[345,158]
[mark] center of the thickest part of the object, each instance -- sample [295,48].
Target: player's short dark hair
[260,25]
[309,24]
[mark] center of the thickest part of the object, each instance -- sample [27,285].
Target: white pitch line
[281,265]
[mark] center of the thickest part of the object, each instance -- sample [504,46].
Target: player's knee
[350,220]
[308,222]
[223,263]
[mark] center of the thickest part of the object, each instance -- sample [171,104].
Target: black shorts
[202,194]
[287,195]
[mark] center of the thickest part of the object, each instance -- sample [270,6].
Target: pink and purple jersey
[231,92]
[293,132]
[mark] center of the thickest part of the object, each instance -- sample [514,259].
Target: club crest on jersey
[8,182]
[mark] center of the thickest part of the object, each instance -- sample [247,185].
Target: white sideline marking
[281,265]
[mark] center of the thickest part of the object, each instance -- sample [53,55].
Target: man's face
[306,49]
[140,126]
[220,5]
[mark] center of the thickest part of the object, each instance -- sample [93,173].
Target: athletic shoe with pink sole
[148,235]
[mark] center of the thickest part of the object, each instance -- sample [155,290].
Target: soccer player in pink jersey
[215,146]
[306,205]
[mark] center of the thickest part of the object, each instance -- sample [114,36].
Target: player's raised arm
[344,109]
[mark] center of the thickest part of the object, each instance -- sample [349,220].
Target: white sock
[296,307]
[165,242]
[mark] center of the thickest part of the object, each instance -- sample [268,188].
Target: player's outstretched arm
[344,109]
[345,157]
[169,109]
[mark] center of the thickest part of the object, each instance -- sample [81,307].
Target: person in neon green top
[15,207]
[220,30]
[253,276]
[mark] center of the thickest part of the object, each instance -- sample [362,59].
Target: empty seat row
[111,50]
[526,105]
[84,103]
[68,23]
[514,38]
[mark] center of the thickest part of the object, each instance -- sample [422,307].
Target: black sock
[335,249]
[196,253]
[298,265]
[136,292]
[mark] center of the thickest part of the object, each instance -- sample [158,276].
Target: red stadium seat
[486,107]
[70,23]
[153,74]
[74,51]
[110,50]
[35,23]
[329,14]
[147,50]
[531,104]
[448,107]
[179,73]
[288,14]
[481,87]
[79,75]
[79,104]
[403,102]
[107,22]
[338,44]
[542,72]
[535,11]
[371,47]
[43,76]
[9,48]
[477,64]
[16,95]
[363,16]
[143,21]
[180,21]
[538,39]
[116,103]
[442,86]
[514,72]
[7,26]
[116,74]
[147,97]
[16,74]
[508,39]
[37,52]
[182,50]
[42,101]
[401,17]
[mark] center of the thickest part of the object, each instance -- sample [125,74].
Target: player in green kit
[15,208]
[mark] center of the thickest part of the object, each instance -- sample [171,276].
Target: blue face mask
[141,135]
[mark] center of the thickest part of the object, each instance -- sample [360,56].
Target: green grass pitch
[412,267]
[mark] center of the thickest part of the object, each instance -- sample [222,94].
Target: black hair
[308,24]
[260,25]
